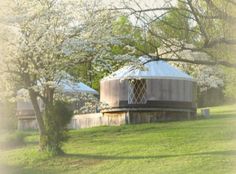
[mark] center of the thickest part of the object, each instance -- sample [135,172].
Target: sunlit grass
[198,146]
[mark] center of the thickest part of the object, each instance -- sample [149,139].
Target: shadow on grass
[8,169]
[113,157]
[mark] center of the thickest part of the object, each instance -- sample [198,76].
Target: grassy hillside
[199,146]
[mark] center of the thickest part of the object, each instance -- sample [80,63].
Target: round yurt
[25,111]
[153,92]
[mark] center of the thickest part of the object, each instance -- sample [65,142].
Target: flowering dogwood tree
[49,37]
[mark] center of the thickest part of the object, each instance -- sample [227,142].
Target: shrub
[56,119]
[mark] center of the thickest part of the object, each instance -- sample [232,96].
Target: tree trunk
[38,114]
[52,123]
[51,135]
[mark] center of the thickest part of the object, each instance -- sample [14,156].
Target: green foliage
[131,37]
[230,86]
[201,146]
[57,116]
[122,26]
[175,24]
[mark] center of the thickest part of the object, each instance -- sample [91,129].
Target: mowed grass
[198,146]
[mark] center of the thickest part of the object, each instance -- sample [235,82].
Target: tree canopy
[195,25]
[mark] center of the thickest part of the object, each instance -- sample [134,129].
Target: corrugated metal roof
[152,69]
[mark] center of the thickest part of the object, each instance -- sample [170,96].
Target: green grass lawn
[198,146]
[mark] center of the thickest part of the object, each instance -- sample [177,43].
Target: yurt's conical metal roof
[69,87]
[66,86]
[151,70]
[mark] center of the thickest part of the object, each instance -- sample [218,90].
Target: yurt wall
[116,94]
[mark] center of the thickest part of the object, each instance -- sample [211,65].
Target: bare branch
[197,62]
[195,14]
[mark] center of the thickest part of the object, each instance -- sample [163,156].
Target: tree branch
[197,62]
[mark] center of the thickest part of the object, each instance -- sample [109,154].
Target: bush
[56,119]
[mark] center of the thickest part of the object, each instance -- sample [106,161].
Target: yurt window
[137,91]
